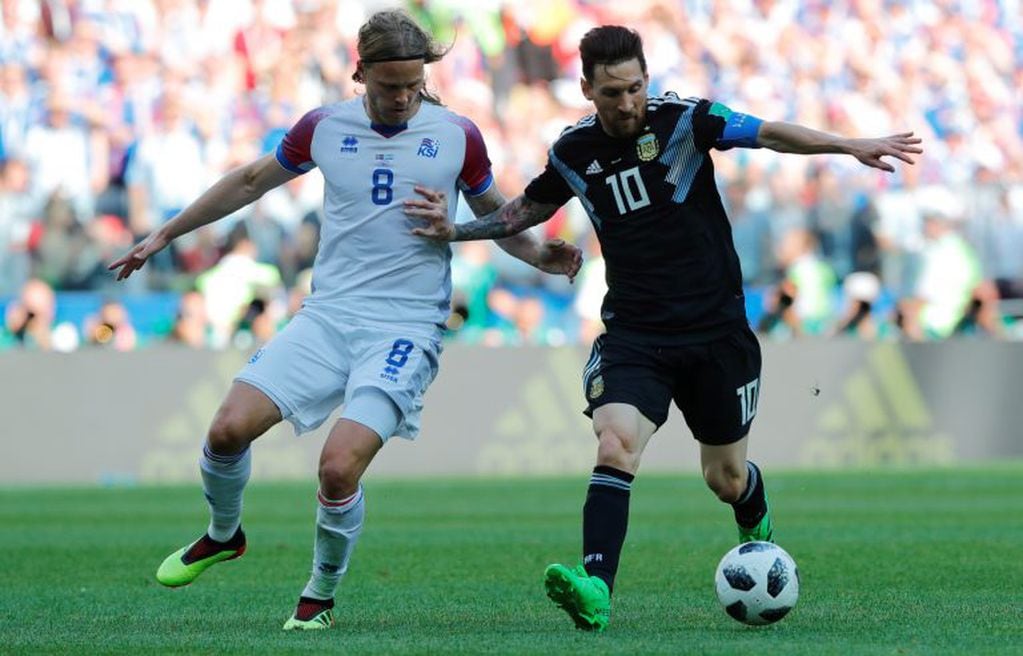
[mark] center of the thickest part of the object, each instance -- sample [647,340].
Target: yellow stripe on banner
[901,389]
[867,409]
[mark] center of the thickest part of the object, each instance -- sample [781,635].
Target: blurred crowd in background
[115,114]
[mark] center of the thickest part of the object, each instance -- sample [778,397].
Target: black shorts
[715,384]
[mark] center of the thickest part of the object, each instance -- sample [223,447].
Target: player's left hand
[559,257]
[900,146]
[433,208]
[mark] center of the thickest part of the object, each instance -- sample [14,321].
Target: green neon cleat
[585,598]
[311,615]
[187,563]
[762,532]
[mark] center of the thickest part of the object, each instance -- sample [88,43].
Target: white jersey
[369,267]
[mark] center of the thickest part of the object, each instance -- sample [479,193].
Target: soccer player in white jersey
[369,335]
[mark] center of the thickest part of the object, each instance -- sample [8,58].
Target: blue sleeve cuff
[478,189]
[740,132]
[283,161]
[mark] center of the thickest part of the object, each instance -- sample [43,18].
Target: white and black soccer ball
[757,583]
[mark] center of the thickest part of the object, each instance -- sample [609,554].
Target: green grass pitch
[896,562]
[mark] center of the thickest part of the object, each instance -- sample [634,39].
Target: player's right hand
[137,256]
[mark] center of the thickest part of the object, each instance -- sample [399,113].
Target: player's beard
[630,126]
[623,127]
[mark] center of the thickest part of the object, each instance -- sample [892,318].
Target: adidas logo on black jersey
[594,168]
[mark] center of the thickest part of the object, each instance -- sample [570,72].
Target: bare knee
[339,474]
[229,432]
[726,480]
[618,450]
[244,415]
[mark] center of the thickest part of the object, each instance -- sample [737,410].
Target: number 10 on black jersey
[628,189]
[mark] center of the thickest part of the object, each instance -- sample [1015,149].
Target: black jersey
[671,264]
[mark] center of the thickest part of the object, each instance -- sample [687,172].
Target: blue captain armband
[740,131]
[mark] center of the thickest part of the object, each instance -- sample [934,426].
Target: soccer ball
[757,583]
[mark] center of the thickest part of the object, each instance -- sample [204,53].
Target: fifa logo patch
[428,148]
[596,388]
[349,145]
[647,147]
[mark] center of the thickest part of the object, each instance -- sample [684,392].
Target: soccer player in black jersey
[674,313]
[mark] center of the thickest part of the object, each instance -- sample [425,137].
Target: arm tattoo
[510,219]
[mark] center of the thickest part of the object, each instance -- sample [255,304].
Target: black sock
[605,519]
[752,505]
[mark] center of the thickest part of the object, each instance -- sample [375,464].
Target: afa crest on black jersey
[666,241]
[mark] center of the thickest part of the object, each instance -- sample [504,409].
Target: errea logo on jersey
[428,148]
[349,145]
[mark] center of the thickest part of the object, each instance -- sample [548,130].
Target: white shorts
[311,367]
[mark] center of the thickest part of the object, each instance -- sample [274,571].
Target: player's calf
[752,511]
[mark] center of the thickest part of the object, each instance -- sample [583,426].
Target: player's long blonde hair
[392,35]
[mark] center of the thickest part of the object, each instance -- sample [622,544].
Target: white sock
[338,525]
[223,480]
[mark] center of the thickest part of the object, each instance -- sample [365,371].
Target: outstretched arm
[501,221]
[792,138]
[232,192]
[497,219]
